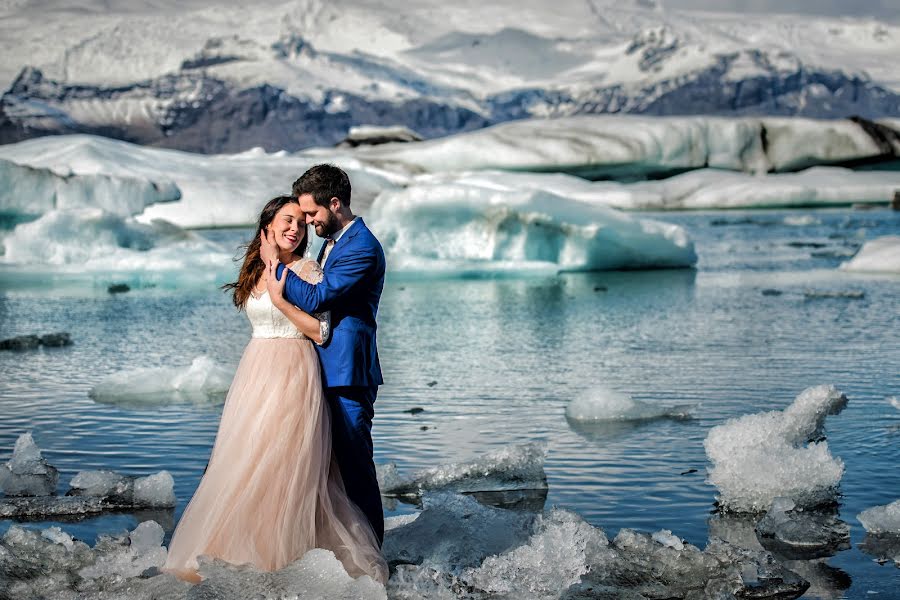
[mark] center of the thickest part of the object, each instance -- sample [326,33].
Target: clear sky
[888,9]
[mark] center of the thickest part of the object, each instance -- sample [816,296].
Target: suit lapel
[342,243]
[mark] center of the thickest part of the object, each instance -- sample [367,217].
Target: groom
[353,262]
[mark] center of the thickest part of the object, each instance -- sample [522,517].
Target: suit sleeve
[342,276]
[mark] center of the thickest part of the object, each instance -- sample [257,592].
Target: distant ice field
[496,361]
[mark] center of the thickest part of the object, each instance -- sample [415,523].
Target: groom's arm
[342,276]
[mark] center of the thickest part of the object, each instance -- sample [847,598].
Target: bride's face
[289,227]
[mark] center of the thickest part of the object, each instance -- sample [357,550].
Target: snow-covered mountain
[288,75]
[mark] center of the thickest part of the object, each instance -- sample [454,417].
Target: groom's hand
[268,252]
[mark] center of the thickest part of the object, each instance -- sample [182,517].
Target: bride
[272,490]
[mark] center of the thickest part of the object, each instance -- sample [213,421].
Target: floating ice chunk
[511,468]
[27,190]
[894,401]
[27,473]
[205,184]
[373,135]
[58,536]
[399,521]
[454,532]
[90,239]
[318,575]
[552,560]
[881,255]
[882,519]
[759,457]
[438,225]
[203,381]
[667,538]
[797,533]
[129,555]
[100,484]
[613,145]
[155,491]
[601,404]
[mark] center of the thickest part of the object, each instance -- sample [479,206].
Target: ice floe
[486,226]
[611,146]
[600,404]
[458,548]
[29,482]
[882,519]
[203,381]
[881,255]
[194,190]
[798,533]
[759,457]
[91,239]
[28,473]
[509,468]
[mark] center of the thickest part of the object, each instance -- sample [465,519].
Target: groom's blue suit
[350,289]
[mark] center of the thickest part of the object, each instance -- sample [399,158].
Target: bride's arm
[315,329]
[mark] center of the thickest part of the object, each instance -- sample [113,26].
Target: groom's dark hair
[324,182]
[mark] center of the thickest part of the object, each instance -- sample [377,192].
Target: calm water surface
[508,355]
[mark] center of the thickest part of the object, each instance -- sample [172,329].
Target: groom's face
[323,218]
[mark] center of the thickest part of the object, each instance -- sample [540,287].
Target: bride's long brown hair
[253,267]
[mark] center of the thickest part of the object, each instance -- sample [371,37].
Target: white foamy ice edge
[483,224]
[759,457]
[882,519]
[128,566]
[606,144]
[881,255]
[204,380]
[601,404]
[193,190]
[511,468]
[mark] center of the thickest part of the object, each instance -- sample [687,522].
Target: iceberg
[881,255]
[621,146]
[759,457]
[192,190]
[511,468]
[33,191]
[489,227]
[600,404]
[93,240]
[203,381]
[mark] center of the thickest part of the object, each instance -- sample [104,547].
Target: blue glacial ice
[759,457]
[489,226]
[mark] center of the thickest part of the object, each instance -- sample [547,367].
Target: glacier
[288,76]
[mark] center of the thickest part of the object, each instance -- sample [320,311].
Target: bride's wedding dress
[272,491]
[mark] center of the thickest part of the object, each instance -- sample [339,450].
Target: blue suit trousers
[351,431]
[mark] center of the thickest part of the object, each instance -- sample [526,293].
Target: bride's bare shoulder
[308,270]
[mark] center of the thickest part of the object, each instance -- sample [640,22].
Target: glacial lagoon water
[495,361]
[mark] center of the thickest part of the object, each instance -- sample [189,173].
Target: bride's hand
[273,284]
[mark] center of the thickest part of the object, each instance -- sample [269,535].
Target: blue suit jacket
[350,289]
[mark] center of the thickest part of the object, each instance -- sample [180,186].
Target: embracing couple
[292,467]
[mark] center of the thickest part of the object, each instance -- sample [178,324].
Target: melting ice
[759,457]
[600,404]
[203,381]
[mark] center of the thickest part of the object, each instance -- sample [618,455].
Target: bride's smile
[289,227]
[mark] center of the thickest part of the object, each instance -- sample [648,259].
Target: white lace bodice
[269,322]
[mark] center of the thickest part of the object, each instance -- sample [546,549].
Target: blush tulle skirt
[272,491]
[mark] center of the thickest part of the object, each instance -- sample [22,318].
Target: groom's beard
[328,227]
